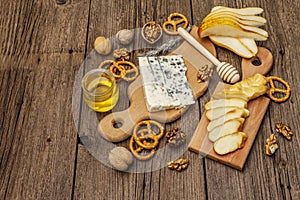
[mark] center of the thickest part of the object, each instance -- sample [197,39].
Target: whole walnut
[125,36]
[120,158]
[103,45]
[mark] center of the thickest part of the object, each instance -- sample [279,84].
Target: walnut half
[179,164]
[175,137]
[272,144]
[284,130]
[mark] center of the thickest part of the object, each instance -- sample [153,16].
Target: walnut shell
[120,158]
[102,45]
[125,36]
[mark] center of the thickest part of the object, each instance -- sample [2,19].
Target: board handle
[118,126]
[261,63]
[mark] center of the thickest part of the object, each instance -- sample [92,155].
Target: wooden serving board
[137,110]
[257,107]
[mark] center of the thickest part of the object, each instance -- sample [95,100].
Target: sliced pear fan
[230,20]
[228,28]
[243,19]
[240,11]
[235,29]
[234,45]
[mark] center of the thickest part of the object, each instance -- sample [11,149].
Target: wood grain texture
[38,139]
[285,44]
[93,177]
[43,44]
[38,150]
[269,174]
[150,185]
[138,111]
[200,142]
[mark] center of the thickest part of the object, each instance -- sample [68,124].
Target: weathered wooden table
[44,43]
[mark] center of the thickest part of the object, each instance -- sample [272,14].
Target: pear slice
[240,11]
[230,143]
[229,127]
[216,113]
[212,104]
[233,44]
[239,21]
[255,30]
[228,116]
[243,19]
[227,28]
[231,21]
[249,44]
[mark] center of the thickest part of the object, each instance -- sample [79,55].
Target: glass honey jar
[100,91]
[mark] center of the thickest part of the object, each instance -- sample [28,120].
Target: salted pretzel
[148,124]
[146,139]
[121,69]
[129,68]
[118,71]
[136,151]
[106,64]
[273,90]
[175,23]
[255,86]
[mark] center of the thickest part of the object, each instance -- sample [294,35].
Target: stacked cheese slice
[227,112]
[165,83]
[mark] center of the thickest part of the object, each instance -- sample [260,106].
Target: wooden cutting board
[137,110]
[200,143]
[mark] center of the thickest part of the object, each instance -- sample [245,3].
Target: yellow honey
[100,91]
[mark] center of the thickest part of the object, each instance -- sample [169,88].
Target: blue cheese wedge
[165,83]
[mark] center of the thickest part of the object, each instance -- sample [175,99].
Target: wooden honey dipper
[227,72]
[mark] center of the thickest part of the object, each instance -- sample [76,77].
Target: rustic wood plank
[38,137]
[38,149]
[152,184]
[270,175]
[95,176]
[173,184]
[42,47]
[285,45]
[29,27]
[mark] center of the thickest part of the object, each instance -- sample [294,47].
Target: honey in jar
[100,91]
